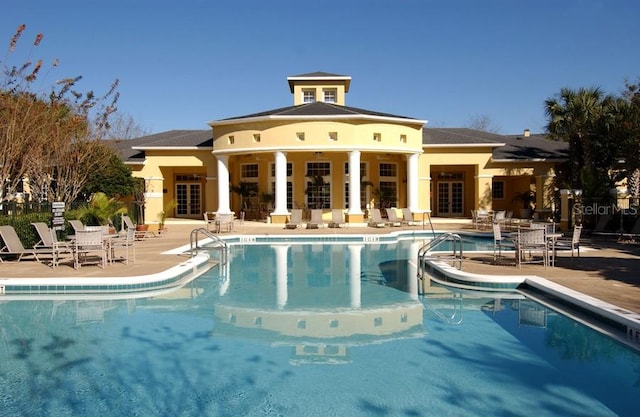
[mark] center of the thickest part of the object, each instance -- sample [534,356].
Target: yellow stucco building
[265,164]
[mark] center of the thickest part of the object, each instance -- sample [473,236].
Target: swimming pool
[308,329]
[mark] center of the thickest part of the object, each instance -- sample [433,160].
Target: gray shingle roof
[319,108]
[168,139]
[317,74]
[459,136]
[516,147]
[535,146]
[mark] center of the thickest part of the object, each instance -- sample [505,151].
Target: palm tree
[315,190]
[584,118]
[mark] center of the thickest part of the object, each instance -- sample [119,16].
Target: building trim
[340,117]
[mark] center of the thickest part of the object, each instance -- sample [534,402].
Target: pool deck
[607,269]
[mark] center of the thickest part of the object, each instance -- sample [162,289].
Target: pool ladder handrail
[424,254]
[217,243]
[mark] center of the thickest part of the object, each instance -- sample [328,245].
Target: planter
[142,228]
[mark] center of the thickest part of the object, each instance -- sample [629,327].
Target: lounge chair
[295,220]
[49,244]
[12,246]
[316,219]
[392,215]
[337,219]
[127,223]
[376,219]
[76,225]
[407,216]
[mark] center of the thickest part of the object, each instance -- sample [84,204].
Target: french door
[450,198]
[189,200]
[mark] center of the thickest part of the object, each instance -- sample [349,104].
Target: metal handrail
[217,242]
[424,253]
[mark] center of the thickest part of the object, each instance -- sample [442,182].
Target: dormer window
[308,96]
[330,95]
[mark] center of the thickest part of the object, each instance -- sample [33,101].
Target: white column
[355,269]
[412,182]
[223,184]
[281,183]
[282,292]
[354,183]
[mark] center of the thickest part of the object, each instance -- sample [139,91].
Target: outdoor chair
[295,220]
[500,242]
[392,215]
[76,225]
[12,246]
[572,243]
[89,248]
[480,218]
[376,219]
[49,243]
[125,242]
[337,218]
[529,242]
[316,219]
[127,223]
[408,217]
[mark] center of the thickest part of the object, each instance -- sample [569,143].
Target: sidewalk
[609,271]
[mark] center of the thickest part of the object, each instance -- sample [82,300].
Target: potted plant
[162,216]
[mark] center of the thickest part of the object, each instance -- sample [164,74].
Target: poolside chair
[376,219]
[337,219]
[295,220]
[480,218]
[407,217]
[126,242]
[572,243]
[530,241]
[316,219]
[76,225]
[86,243]
[500,242]
[127,223]
[49,242]
[392,215]
[12,245]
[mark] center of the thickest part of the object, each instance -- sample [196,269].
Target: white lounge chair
[316,219]
[13,247]
[295,220]
[337,219]
[376,219]
[394,220]
[407,216]
[49,242]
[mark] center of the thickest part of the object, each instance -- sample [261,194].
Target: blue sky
[184,63]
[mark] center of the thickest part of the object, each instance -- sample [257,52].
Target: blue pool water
[308,330]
